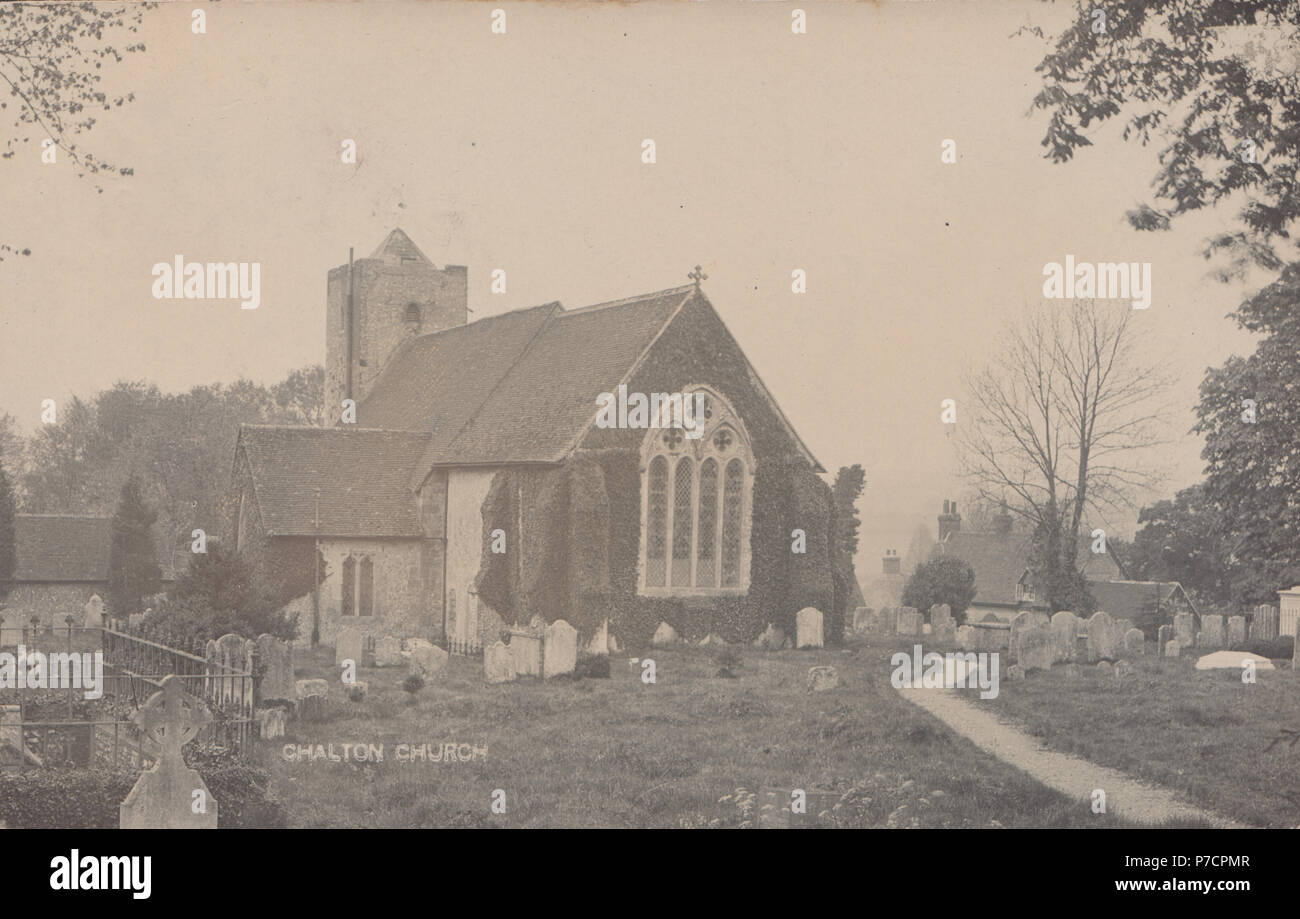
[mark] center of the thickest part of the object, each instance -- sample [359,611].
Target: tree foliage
[945,579]
[1214,83]
[52,59]
[133,570]
[1185,540]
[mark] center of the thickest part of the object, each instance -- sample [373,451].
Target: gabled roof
[1126,599]
[362,475]
[1001,562]
[57,547]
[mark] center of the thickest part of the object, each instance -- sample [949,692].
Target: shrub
[413,683]
[1282,647]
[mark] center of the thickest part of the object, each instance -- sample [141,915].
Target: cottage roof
[1000,562]
[1126,599]
[362,475]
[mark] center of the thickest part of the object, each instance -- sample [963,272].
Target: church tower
[376,303]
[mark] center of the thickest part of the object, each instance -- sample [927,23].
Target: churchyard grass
[1201,733]
[620,753]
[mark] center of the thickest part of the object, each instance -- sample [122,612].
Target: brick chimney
[949,520]
[890,563]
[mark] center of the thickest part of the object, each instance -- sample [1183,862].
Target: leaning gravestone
[1211,633]
[94,612]
[1037,647]
[1236,631]
[1065,634]
[347,646]
[1185,629]
[277,660]
[808,628]
[424,658]
[1101,637]
[167,796]
[1134,642]
[560,649]
[1263,625]
[498,663]
[909,621]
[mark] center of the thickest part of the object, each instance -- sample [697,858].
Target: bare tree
[1061,426]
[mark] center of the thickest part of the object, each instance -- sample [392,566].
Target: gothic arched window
[695,505]
[366,598]
[349,586]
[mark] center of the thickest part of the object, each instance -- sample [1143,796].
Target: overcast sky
[522,151]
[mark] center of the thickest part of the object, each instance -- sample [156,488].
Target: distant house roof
[362,475]
[1126,599]
[1001,562]
[57,547]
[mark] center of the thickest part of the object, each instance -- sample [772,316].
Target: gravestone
[164,797]
[1173,647]
[886,622]
[808,628]
[1019,624]
[1236,631]
[1105,667]
[1211,633]
[1295,654]
[966,637]
[1101,637]
[270,723]
[941,618]
[559,649]
[498,663]
[863,618]
[772,639]
[312,698]
[1015,673]
[277,659]
[909,621]
[424,658]
[664,635]
[1185,629]
[1037,649]
[1123,671]
[1134,642]
[94,612]
[1121,627]
[1164,635]
[388,651]
[1263,625]
[347,646]
[1065,634]
[821,679]
[526,649]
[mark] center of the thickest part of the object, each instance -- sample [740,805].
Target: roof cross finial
[697,276]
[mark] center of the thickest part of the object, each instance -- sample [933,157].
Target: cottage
[475,489]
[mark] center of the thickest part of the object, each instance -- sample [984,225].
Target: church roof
[361,473]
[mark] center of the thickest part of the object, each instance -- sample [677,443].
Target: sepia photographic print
[660,415]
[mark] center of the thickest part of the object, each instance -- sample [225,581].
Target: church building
[473,489]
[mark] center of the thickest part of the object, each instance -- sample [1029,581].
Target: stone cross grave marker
[170,795]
